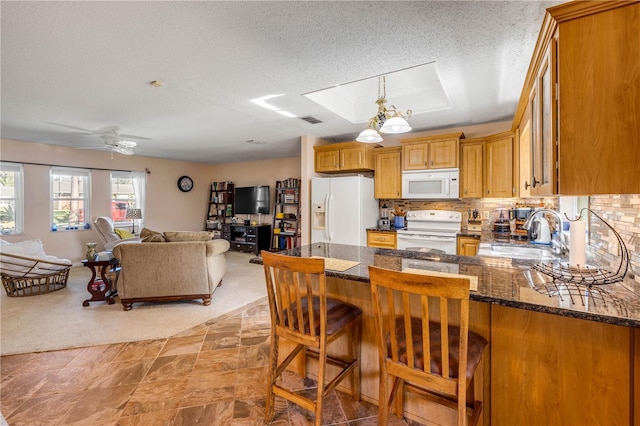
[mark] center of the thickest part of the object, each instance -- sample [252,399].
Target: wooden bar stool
[302,314]
[418,361]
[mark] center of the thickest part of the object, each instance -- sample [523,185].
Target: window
[70,198]
[127,192]
[11,198]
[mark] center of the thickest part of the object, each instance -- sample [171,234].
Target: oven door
[409,241]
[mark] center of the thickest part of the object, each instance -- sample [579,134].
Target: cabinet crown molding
[433,138]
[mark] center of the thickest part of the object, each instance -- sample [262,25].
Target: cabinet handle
[526,185]
[534,182]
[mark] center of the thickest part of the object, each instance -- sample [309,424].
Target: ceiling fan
[113,139]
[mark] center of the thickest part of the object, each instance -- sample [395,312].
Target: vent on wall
[310,119]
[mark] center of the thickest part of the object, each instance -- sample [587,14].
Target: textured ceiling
[88,65]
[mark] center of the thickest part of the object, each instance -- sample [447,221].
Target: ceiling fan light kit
[113,139]
[389,121]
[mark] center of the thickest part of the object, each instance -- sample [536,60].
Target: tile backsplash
[621,211]
[485,206]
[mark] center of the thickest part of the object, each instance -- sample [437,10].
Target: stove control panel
[434,216]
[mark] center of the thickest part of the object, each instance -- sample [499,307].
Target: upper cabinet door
[498,166]
[443,154]
[415,156]
[352,158]
[599,101]
[471,174]
[388,174]
[524,152]
[545,143]
[327,160]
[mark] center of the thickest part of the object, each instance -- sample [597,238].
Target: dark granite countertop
[502,281]
[378,229]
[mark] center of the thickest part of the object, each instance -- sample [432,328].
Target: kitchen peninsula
[555,356]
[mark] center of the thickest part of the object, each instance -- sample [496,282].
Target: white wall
[262,172]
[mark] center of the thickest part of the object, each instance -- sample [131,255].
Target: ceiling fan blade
[142,138]
[69,127]
[110,135]
[99,148]
[113,130]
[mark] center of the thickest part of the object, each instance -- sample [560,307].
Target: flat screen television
[251,200]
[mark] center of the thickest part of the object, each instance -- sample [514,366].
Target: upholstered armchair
[106,232]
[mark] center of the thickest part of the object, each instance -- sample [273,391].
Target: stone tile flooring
[211,374]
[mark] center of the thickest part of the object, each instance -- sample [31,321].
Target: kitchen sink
[515,252]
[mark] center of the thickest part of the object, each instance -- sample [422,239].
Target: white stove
[430,230]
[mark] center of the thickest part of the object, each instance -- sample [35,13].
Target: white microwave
[439,184]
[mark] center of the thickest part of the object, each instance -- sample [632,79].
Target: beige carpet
[58,320]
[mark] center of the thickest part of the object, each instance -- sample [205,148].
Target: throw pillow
[173,236]
[29,248]
[149,236]
[123,233]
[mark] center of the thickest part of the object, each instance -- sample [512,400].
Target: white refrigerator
[342,208]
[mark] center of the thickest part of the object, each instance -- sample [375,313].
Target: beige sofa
[165,271]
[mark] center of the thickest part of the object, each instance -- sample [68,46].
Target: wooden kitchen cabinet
[431,152]
[468,246]
[537,144]
[388,173]
[471,168]
[381,239]
[523,175]
[498,166]
[552,370]
[344,157]
[583,96]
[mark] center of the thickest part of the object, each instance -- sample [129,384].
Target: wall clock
[185,183]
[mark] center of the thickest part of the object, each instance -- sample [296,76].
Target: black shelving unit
[285,230]
[252,239]
[220,207]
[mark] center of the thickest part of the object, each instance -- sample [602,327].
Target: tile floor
[212,374]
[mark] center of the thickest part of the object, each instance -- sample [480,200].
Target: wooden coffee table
[100,289]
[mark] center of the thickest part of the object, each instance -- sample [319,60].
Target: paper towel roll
[577,243]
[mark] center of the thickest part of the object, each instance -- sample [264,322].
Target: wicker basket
[43,276]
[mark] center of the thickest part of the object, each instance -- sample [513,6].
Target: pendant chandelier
[387,120]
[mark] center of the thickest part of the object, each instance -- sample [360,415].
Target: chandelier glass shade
[395,124]
[369,136]
[387,120]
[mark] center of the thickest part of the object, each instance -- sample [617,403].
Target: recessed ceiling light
[256,142]
[262,101]
[156,83]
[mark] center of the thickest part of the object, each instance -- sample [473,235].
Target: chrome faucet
[560,246]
